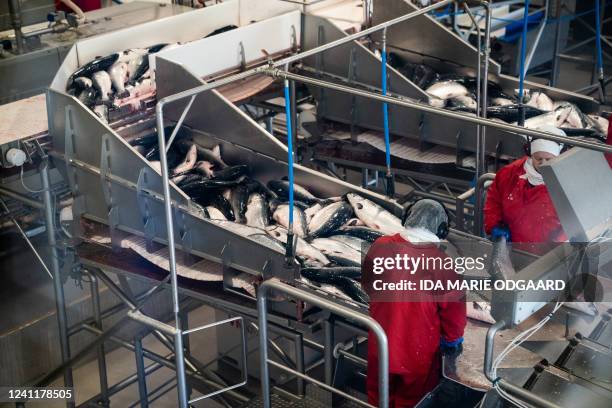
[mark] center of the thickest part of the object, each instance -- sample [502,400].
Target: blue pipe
[598,39]
[523,52]
[385,106]
[290,151]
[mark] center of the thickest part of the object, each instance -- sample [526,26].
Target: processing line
[114,185]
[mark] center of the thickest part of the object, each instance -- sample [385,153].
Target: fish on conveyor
[281,216]
[214,213]
[329,219]
[547,119]
[373,215]
[501,101]
[510,113]
[204,168]
[354,222]
[187,164]
[256,213]
[315,208]
[357,244]
[447,89]
[103,84]
[328,273]
[353,289]
[231,172]
[462,103]
[592,133]
[362,232]
[210,155]
[281,189]
[118,74]
[338,252]
[87,70]
[133,58]
[88,97]
[500,267]
[599,123]
[570,115]
[268,241]
[303,249]
[538,99]
[81,83]
[101,111]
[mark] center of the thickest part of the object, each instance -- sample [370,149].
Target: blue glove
[500,231]
[451,347]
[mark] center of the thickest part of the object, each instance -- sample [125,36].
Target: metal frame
[366,321]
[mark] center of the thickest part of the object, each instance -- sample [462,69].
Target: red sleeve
[452,320]
[493,212]
[451,307]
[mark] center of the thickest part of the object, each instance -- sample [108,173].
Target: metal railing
[334,308]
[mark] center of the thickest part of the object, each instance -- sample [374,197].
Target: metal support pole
[522,72]
[15,12]
[478,204]
[479,104]
[484,88]
[328,351]
[178,338]
[22,198]
[95,303]
[598,38]
[294,119]
[58,285]
[554,72]
[140,370]
[389,185]
[300,364]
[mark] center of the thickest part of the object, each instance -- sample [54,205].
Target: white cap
[16,157]
[542,145]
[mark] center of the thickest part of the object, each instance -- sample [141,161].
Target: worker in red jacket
[79,7]
[417,324]
[518,205]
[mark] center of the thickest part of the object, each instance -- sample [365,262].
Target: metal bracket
[144,205]
[294,44]
[70,151]
[106,183]
[242,56]
[352,77]
[320,66]
[184,234]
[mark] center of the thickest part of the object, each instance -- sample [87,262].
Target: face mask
[531,174]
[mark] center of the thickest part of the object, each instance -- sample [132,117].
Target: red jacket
[413,329]
[85,5]
[527,210]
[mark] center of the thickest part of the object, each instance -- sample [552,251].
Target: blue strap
[385,107]
[598,37]
[290,149]
[523,51]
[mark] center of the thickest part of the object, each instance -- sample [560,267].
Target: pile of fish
[116,80]
[459,93]
[121,79]
[331,233]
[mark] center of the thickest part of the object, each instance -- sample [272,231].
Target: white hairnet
[542,145]
[427,214]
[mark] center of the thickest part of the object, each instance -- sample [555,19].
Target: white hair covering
[542,145]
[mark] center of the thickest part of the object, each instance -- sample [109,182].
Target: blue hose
[385,107]
[523,52]
[290,150]
[598,38]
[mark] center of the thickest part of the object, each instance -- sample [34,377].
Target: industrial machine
[123,204]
